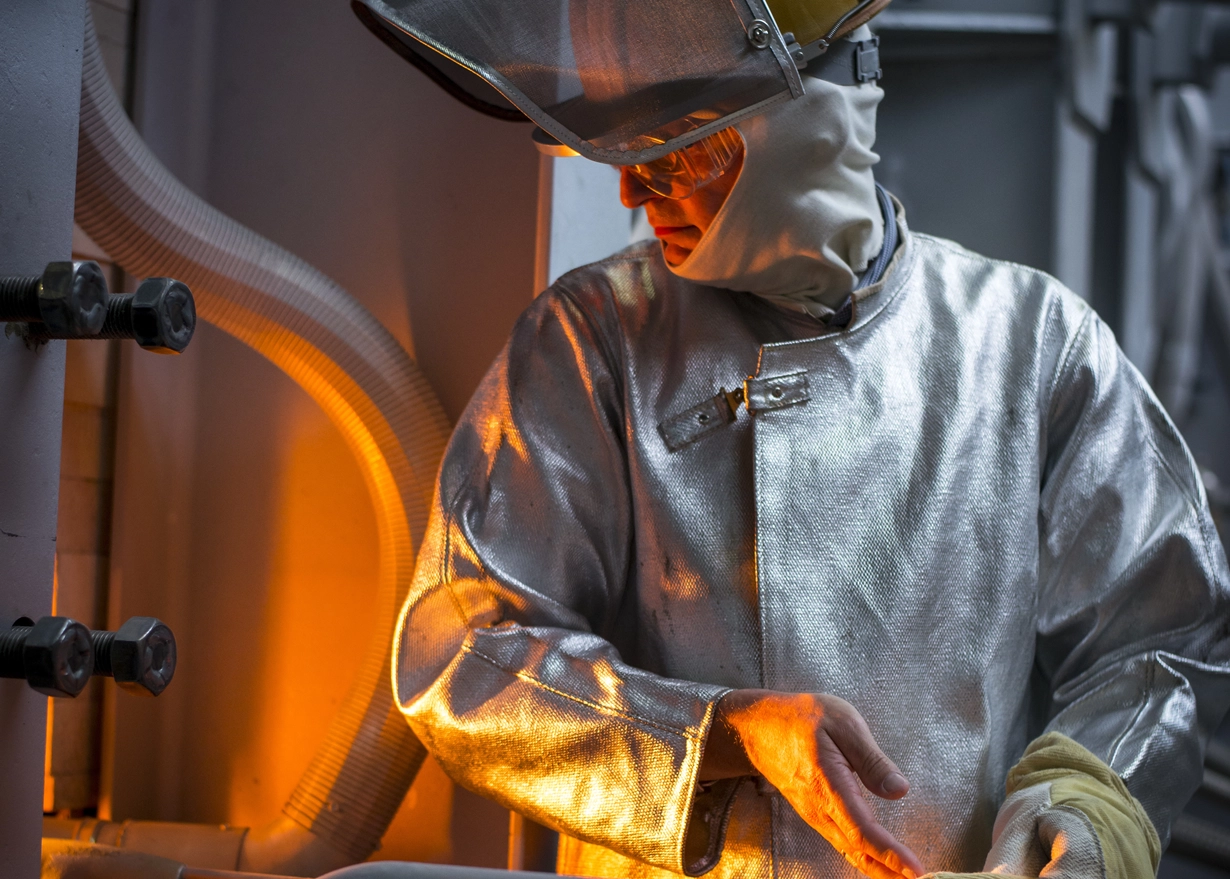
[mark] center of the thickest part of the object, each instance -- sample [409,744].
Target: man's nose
[632,192]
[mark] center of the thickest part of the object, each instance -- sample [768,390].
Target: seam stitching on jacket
[957,250]
[1146,691]
[525,676]
[445,571]
[1193,504]
[838,337]
[594,327]
[1065,360]
[620,435]
[1078,431]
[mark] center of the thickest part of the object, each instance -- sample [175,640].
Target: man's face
[680,223]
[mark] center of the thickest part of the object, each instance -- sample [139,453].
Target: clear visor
[621,81]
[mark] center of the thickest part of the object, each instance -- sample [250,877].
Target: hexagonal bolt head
[143,656]
[72,299]
[163,315]
[58,656]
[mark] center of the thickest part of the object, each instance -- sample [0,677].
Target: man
[795,502]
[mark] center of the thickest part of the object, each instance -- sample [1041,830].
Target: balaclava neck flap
[802,222]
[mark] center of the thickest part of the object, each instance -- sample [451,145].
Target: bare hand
[815,749]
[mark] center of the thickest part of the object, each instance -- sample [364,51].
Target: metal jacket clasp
[758,394]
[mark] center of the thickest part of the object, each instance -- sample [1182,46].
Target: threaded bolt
[55,655]
[160,316]
[102,652]
[19,297]
[68,299]
[118,324]
[140,655]
[11,643]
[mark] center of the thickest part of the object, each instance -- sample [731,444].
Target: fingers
[873,869]
[852,813]
[815,749]
[878,773]
[871,865]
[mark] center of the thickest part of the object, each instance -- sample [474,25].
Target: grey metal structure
[40,48]
[1078,137]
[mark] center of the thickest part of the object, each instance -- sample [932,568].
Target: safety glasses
[680,174]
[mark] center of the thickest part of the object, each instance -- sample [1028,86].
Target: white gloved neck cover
[803,221]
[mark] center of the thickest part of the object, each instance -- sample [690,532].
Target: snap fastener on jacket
[777,392]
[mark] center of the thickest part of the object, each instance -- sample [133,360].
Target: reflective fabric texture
[975,526]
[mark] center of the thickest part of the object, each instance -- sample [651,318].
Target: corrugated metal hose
[151,224]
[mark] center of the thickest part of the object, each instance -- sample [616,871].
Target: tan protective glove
[1069,814]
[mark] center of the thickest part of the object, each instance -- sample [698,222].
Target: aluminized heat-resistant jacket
[966,514]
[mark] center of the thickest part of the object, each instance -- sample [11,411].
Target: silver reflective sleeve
[503,666]
[1133,606]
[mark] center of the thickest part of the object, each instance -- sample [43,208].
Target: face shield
[624,82]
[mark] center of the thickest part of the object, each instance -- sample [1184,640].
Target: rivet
[703,418]
[759,34]
[775,392]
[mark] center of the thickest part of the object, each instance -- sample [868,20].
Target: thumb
[878,773]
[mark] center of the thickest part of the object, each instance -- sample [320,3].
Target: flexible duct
[340,354]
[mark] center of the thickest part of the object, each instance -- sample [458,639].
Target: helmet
[619,81]
[815,24]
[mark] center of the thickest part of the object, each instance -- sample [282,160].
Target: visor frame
[383,29]
[757,12]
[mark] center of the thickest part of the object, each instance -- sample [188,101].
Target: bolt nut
[163,315]
[72,299]
[759,34]
[143,656]
[58,656]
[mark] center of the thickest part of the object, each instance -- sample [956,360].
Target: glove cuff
[1079,780]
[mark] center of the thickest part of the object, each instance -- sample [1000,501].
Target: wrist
[725,755]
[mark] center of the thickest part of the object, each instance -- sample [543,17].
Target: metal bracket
[867,60]
[795,50]
[846,62]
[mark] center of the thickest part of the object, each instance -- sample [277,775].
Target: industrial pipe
[151,224]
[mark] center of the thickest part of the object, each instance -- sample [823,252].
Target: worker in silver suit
[795,543]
